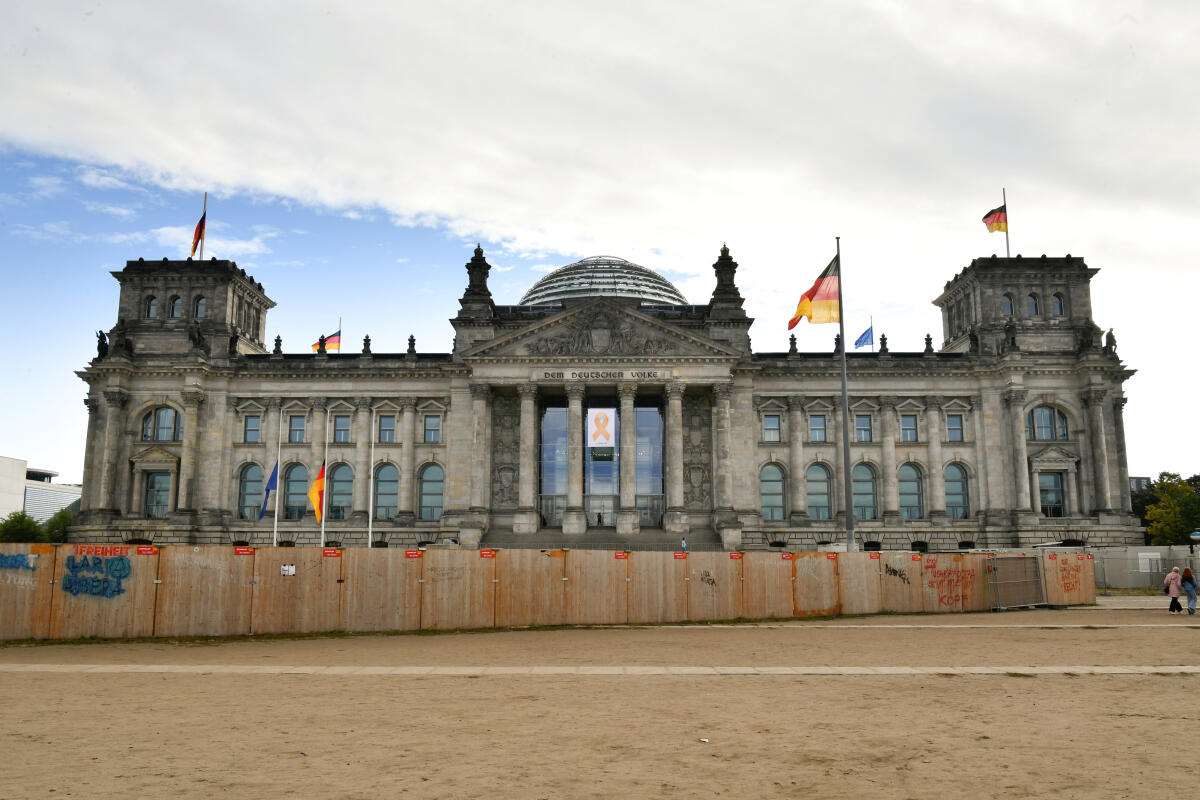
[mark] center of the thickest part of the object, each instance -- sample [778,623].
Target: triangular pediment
[600,329]
[1053,457]
[155,454]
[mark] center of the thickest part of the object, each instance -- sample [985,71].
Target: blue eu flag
[867,338]
[272,485]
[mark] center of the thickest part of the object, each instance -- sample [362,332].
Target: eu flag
[272,485]
[867,338]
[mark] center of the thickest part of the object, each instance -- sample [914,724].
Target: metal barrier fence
[1015,582]
[1139,567]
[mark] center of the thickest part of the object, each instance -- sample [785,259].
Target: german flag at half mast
[820,303]
[316,493]
[997,219]
[198,236]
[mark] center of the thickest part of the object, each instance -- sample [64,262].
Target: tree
[20,527]
[56,526]
[1176,510]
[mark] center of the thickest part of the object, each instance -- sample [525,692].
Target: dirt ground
[202,735]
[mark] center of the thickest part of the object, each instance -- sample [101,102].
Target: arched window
[770,488]
[817,480]
[175,308]
[295,491]
[1031,305]
[431,492]
[1006,305]
[1046,424]
[200,308]
[912,503]
[151,307]
[863,486]
[1057,306]
[958,500]
[341,492]
[250,487]
[163,424]
[387,490]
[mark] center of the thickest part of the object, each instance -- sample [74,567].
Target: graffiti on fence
[949,584]
[1070,573]
[95,575]
[707,578]
[899,574]
[19,561]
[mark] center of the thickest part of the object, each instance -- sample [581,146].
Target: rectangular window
[1050,488]
[296,428]
[816,428]
[341,428]
[387,428]
[433,429]
[250,428]
[908,427]
[954,427]
[770,427]
[862,427]
[158,494]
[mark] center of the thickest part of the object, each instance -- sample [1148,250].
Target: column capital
[527,390]
[192,398]
[115,397]
[576,390]
[626,391]
[232,402]
[796,402]
[406,403]
[888,402]
[273,403]
[362,403]
[722,391]
[1015,397]
[1093,396]
[481,391]
[318,403]
[674,389]
[92,405]
[935,401]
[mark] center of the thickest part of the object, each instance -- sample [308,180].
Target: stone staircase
[704,539]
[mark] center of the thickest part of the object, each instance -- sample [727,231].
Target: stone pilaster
[1118,414]
[1094,400]
[192,400]
[937,477]
[317,432]
[114,404]
[723,438]
[891,494]
[1014,399]
[627,515]
[675,518]
[798,486]
[405,502]
[526,519]
[481,463]
[574,520]
[362,435]
[87,499]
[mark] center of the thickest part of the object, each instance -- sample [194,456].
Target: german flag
[820,303]
[316,493]
[332,342]
[198,236]
[997,219]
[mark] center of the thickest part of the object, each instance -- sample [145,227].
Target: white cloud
[46,186]
[105,208]
[97,178]
[59,230]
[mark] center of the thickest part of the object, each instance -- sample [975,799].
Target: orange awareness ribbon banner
[601,428]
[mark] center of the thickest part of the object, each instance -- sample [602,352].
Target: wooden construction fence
[124,591]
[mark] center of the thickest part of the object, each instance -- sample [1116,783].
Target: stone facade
[1010,434]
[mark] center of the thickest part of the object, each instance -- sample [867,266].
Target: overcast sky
[355,152]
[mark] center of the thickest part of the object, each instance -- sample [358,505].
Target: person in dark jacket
[1187,582]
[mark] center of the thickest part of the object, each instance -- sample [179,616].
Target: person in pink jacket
[1171,586]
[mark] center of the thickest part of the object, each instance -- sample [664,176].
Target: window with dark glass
[862,427]
[1046,423]
[1050,490]
[816,428]
[817,483]
[175,308]
[163,424]
[200,308]
[770,427]
[954,427]
[387,428]
[387,491]
[339,493]
[912,505]
[433,428]
[863,489]
[250,428]
[295,491]
[296,429]
[908,427]
[957,497]
[1057,307]
[1006,306]
[431,492]
[250,489]
[341,428]
[158,494]
[770,487]
[151,307]
[1031,305]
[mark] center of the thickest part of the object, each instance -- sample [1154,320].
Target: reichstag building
[1007,435]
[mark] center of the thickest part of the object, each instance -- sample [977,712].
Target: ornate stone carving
[318,403]
[1093,397]
[92,406]
[674,388]
[697,453]
[576,390]
[506,432]
[602,333]
[481,391]
[192,398]
[722,391]
[362,403]
[1015,397]
[406,403]
[101,345]
[796,402]
[527,390]
[115,397]
[624,389]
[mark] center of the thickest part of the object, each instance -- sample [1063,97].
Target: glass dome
[603,276]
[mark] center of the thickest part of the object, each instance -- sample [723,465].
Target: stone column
[1070,501]
[1118,412]
[1015,400]
[797,481]
[362,433]
[481,418]
[937,477]
[675,518]
[114,403]
[891,494]
[574,520]
[87,499]
[408,461]
[627,516]
[1035,482]
[192,399]
[723,442]
[526,519]
[1094,400]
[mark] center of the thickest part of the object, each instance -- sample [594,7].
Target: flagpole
[849,494]
[203,215]
[1003,197]
[371,484]
[325,479]
[872,316]
[278,477]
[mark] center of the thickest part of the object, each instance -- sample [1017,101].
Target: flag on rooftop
[332,342]
[820,303]
[867,338]
[997,219]
[198,236]
[316,493]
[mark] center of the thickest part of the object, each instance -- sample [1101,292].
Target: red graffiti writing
[951,584]
[105,551]
[1069,572]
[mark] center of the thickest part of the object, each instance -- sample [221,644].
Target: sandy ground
[73,734]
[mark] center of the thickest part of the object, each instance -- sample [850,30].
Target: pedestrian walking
[1171,585]
[683,544]
[1188,584]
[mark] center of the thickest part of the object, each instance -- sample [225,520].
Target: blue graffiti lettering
[18,561]
[114,571]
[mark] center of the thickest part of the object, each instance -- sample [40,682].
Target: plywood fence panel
[458,592]
[1070,578]
[382,589]
[1087,589]
[858,583]
[203,591]
[942,578]
[531,590]
[767,580]
[596,588]
[1052,579]
[26,584]
[103,590]
[714,586]
[900,582]
[974,582]
[816,584]
[307,602]
[657,590]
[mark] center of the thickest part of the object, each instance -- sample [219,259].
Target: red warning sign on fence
[1090,555]
[620,554]
[1079,556]
[412,553]
[681,555]
[331,552]
[487,553]
[831,555]
[916,556]
[1053,556]
[243,551]
[735,556]
[874,555]
[786,556]
[147,550]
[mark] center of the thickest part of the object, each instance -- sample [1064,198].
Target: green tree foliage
[20,527]
[55,529]
[1176,510]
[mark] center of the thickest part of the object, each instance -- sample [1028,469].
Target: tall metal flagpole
[845,409]
[203,236]
[278,478]
[872,316]
[325,479]
[1004,197]
[371,485]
